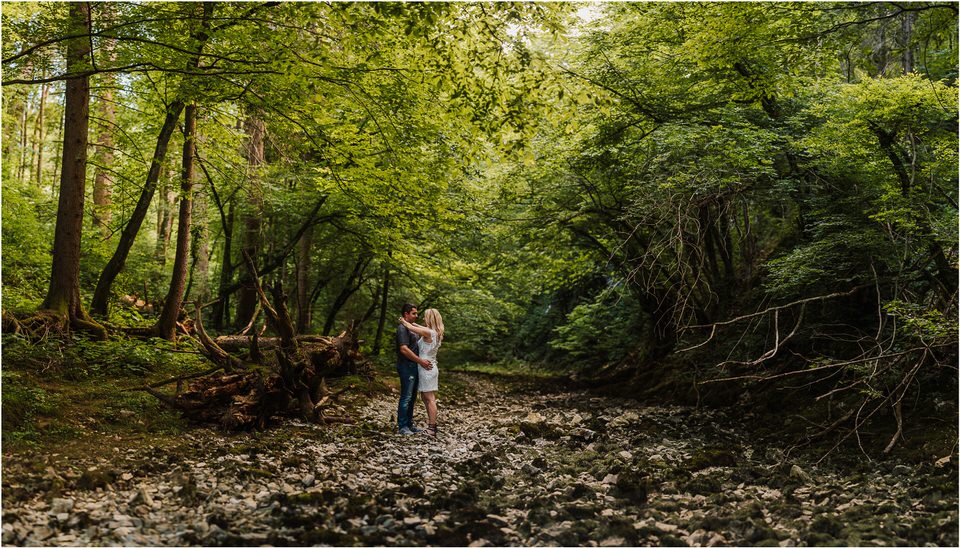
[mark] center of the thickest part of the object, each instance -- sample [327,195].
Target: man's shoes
[416,430]
[406,431]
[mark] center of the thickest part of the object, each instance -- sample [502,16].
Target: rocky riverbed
[514,464]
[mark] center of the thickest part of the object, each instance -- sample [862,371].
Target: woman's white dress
[428,350]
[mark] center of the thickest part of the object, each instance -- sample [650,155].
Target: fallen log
[291,378]
[234,343]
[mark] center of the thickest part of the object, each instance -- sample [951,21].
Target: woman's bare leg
[430,401]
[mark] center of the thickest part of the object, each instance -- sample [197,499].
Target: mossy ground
[69,399]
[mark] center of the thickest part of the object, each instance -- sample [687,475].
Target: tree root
[44,323]
[10,324]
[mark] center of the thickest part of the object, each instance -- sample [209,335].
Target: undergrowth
[60,390]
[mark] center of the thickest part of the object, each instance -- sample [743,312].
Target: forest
[212,213]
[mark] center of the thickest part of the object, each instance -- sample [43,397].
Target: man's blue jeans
[409,381]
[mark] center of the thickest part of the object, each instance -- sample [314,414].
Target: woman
[431,336]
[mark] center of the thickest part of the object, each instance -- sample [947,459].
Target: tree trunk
[130,231]
[43,101]
[383,308]
[167,324]
[57,172]
[247,299]
[63,295]
[24,115]
[12,103]
[168,199]
[907,38]
[351,286]
[303,281]
[280,256]
[222,305]
[199,274]
[103,180]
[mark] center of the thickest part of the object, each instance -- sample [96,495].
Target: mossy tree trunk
[63,295]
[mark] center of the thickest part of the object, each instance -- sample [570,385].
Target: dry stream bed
[513,465]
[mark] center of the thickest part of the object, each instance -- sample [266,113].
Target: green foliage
[23,401]
[26,253]
[601,331]
[839,254]
[930,326]
[81,358]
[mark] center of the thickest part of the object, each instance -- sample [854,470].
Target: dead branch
[181,378]
[814,369]
[859,422]
[213,351]
[780,307]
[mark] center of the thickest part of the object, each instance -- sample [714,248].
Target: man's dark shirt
[409,338]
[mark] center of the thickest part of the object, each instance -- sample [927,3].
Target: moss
[703,485]
[312,498]
[714,523]
[711,456]
[671,540]
[633,485]
[24,401]
[830,525]
[821,539]
[254,472]
[540,430]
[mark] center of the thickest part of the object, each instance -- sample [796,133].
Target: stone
[788,543]
[498,520]
[666,527]
[613,541]
[716,540]
[141,497]
[798,473]
[610,479]
[624,419]
[308,480]
[411,520]
[533,418]
[61,505]
[530,469]
[698,538]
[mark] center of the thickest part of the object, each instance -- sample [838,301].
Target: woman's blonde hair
[433,320]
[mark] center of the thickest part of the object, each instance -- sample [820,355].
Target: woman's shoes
[431,430]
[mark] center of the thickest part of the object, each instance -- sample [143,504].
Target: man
[408,362]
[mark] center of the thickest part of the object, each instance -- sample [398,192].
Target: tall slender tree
[167,324]
[99,305]
[40,134]
[63,295]
[252,225]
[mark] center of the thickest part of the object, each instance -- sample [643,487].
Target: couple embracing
[417,366]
